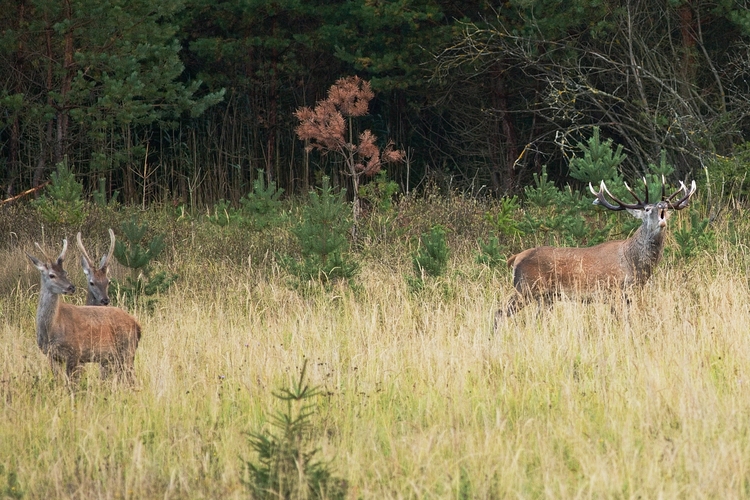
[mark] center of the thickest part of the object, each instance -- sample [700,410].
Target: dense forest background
[185,101]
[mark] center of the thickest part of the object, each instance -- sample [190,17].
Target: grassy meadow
[419,399]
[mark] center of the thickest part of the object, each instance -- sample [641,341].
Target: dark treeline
[186,100]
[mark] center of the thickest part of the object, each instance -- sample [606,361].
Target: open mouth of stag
[662,217]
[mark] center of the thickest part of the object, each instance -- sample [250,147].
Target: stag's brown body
[542,273]
[73,335]
[614,264]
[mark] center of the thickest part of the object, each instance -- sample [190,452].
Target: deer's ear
[37,263]
[85,265]
[637,213]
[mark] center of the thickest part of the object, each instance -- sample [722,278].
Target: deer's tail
[511,259]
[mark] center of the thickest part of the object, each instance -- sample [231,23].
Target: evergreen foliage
[598,161]
[62,201]
[100,194]
[260,208]
[491,253]
[323,237]
[379,192]
[505,220]
[567,216]
[133,251]
[262,204]
[224,214]
[431,259]
[287,464]
[695,236]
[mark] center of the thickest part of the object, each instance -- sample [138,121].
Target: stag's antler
[685,200]
[679,205]
[59,258]
[601,200]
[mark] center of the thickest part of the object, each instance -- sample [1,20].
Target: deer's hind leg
[515,304]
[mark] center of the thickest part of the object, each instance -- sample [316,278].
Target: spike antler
[106,258]
[64,251]
[41,250]
[84,253]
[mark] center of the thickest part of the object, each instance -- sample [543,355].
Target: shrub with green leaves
[133,251]
[287,464]
[323,236]
[62,201]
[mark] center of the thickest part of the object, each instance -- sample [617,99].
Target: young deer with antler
[73,335]
[541,273]
[98,278]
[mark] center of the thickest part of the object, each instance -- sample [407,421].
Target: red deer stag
[541,273]
[98,278]
[73,335]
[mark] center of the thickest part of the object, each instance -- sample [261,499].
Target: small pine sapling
[287,463]
[323,238]
[62,201]
[598,161]
[262,204]
[431,259]
[134,252]
[100,195]
[491,253]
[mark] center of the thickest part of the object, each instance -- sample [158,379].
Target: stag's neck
[643,252]
[49,303]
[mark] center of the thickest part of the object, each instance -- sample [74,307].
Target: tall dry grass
[420,398]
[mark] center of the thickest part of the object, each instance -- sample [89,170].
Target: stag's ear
[37,263]
[85,266]
[637,213]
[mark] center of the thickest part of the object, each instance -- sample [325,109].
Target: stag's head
[653,215]
[97,277]
[54,277]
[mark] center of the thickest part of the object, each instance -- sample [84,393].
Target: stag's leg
[72,368]
[105,369]
[125,365]
[515,304]
[57,367]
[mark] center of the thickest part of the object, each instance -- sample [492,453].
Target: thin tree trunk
[503,164]
[65,86]
[688,32]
